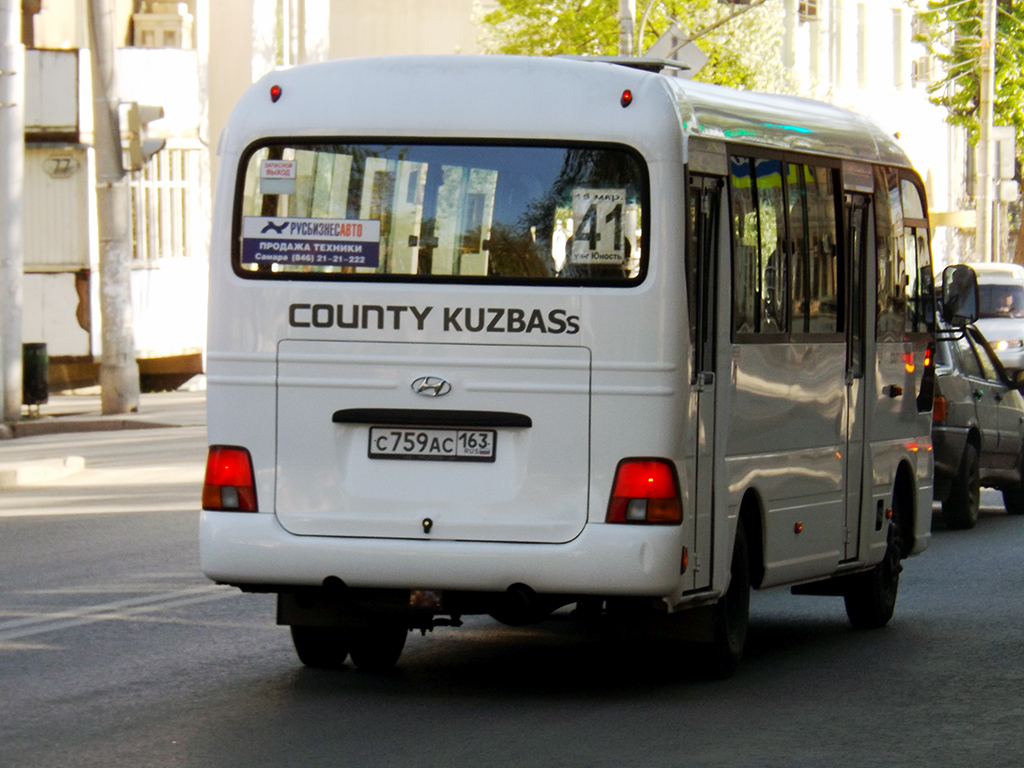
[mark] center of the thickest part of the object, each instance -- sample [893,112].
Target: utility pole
[119,372]
[12,171]
[627,22]
[986,147]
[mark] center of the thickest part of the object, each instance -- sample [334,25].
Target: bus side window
[744,247]
[771,212]
[760,294]
[815,270]
[889,246]
[701,264]
[918,260]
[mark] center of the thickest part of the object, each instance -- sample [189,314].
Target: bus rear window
[441,212]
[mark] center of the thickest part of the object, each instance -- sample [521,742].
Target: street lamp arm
[696,35]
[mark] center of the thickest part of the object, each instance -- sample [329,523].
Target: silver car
[1001,311]
[978,428]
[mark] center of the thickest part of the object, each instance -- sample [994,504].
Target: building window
[921,70]
[808,10]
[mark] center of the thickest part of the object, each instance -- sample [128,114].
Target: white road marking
[50,622]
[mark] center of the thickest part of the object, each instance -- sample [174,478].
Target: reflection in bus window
[759,224]
[812,226]
[918,260]
[889,246]
[745,248]
[340,211]
[772,226]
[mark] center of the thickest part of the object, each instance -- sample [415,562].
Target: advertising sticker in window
[310,242]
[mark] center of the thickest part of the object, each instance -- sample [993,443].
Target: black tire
[963,506]
[378,646]
[732,614]
[1013,500]
[871,596]
[321,647]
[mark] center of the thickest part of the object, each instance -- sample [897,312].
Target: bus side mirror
[959,295]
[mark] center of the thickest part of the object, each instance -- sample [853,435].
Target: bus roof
[785,122]
[769,120]
[521,97]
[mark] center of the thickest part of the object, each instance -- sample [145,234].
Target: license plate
[433,444]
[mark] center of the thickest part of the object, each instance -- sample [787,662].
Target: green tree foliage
[743,42]
[952,33]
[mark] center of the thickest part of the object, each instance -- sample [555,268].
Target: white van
[499,335]
[1001,311]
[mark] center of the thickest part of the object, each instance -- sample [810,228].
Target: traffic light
[134,119]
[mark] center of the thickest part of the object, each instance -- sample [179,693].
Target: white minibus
[507,335]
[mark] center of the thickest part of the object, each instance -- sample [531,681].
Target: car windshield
[1001,300]
[441,212]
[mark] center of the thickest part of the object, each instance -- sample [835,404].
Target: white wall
[360,28]
[864,62]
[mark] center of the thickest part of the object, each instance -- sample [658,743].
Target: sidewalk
[82,412]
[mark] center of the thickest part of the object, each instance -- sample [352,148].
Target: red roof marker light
[627,98]
[275,93]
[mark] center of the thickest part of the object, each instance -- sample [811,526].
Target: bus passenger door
[858,220]
[701,262]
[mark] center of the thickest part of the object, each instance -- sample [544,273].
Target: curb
[40,471]
[55,426]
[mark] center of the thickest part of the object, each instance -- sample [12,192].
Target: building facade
[861,54]
[196,58]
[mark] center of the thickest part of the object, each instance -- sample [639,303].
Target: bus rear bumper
[614,560]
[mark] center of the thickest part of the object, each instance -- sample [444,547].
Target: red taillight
[939,410]
[229,482]
[645,491]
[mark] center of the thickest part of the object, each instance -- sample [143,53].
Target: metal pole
[789,34]
[627,19]
[986,147]
[12,171]
[119,373]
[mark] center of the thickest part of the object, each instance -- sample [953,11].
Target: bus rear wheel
[732,614]
[377,647]
[871,596]
[321,647]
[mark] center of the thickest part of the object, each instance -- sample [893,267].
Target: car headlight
[1005,344]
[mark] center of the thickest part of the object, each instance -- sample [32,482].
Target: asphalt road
[115,651]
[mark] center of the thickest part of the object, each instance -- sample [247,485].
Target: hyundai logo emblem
[431,386]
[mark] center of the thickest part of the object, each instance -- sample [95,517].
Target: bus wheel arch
[904,509]
[751,516]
